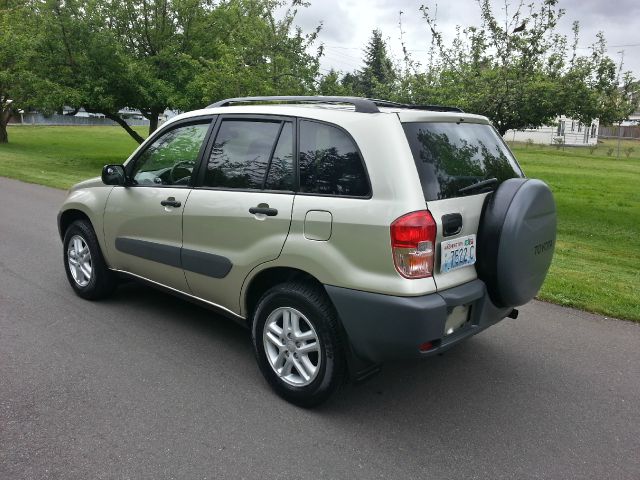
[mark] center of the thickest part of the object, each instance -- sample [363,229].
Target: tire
[317,319]
[516,240]
[87,272]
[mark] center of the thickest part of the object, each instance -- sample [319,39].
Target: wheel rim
[292,346]
[79,260]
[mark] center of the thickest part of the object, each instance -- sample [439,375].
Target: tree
[10,66]
[520,72]
[378,72]
[106,55]
[151,55]
[333,84]
[255,54]
[15,46]
[377,79]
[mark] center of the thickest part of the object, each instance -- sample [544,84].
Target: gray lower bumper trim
[382,327]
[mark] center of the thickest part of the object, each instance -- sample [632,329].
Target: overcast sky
[347,26]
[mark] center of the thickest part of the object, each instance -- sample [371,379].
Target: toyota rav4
[341,231]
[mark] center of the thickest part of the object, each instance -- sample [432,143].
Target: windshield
[452,156]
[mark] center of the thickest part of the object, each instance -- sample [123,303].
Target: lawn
[61,156]
[597,261]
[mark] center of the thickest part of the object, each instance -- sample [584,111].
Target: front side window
[330,163]
[251,154]
[171,158]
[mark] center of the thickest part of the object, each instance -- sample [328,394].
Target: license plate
[457,253]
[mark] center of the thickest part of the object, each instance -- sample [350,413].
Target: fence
[55,119]
[619,132]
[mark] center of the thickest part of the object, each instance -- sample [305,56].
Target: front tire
[298,343]
[85,267]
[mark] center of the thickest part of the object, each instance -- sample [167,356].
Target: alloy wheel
[292,346]
[79,260]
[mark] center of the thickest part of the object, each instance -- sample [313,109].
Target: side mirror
[113,175]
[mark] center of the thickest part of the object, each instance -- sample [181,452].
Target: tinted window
[240,154]
[170,159]
[280,176]
[451,156]
[329,162]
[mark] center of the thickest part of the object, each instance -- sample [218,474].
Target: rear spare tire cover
[516,239]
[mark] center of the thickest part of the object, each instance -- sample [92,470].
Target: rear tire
[85,267]
[298,343]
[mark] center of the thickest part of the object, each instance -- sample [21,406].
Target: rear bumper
[382,327]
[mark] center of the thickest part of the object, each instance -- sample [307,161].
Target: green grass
[607,148]
[597,261]
[61,156]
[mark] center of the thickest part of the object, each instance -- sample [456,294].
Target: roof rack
[362,105]
[434,108]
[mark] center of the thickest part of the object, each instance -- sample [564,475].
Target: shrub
[558,142]
[610,151]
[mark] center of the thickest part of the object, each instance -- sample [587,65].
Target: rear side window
[330,163]
[241,156]
[452,156]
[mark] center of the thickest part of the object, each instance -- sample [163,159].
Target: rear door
[143,220]
[239,214]
[457,161]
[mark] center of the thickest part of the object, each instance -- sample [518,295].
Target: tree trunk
[116,118]
[153,121]
[4,120]
[4,138]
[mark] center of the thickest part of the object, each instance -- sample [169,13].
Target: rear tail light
[413,238]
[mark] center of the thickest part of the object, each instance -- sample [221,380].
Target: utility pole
[621,52]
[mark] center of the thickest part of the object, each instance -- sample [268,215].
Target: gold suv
[340,231]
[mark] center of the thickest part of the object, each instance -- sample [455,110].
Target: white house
[566,130]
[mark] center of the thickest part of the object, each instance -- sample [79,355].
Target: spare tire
[516,239]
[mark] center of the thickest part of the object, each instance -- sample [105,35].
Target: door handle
[264,210]
[170,202]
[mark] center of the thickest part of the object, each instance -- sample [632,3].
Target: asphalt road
[144,385]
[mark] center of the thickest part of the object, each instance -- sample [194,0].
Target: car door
[143,220]
[239,213]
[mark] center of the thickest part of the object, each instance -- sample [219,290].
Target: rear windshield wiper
[488,183]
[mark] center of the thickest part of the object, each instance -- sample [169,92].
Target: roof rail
[435,108]
[362,105]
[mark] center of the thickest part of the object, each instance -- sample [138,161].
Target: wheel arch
[67,217]
[259,283]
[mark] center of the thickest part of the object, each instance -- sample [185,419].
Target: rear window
[452,156]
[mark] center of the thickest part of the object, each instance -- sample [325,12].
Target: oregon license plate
[457,253]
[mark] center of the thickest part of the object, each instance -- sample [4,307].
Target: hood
[91,182]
